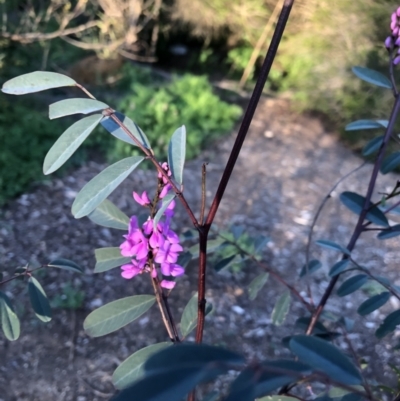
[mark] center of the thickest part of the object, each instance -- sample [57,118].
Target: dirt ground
[288,164]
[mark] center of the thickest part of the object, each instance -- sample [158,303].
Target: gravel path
[287,166]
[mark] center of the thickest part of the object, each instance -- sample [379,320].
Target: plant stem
[359,226]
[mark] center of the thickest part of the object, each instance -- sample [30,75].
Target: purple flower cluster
[392,42]
[151,247]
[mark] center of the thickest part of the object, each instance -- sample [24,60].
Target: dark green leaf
[117,314]
[259,243]
[372,146]
[9,319]
[390,163]
[39,301]
[132,368]
[389,324]
[356,203]
[339,267]
[189,315]
[212,246]
[165,203]
[114,129]
[372,77]
[332,245]
[177,153]
[237,231]
[325,357]
[35,82]
[373,303]
[69,142]
[65,264]
[96,190]
[313,266]
[279,373]
[108,258]
[352,284]
[242,388]
[226,262]
[281,309]
[108,215]
[68,107]
[366,124]
[277,398]
[256,285]
[391,232]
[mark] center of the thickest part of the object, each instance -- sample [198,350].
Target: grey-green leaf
[332,245]
[132,369]
[114,129]
[96,190]
[108,258]
[189,315]
[390,163]
[281,309]
[313,266]
[366,124]
[372,146]
[372,77]
[177,154]
[9,320]
[39,301]
[35,82]
[165,203]
[69,142]
[373,303]
[352,284]
[256,285]
[389,324]
[68,107]
[393,231]
[323,356]
[108,215]
[117,314]
[339,267]
[65,264]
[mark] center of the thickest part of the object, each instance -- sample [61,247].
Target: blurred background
[171,62]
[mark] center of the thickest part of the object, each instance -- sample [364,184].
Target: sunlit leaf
[313,266]
[372,146]
[132,369]
[372,77]
[117,314]
[373,303]
[281,309]
[96,190]
[69,142]
[108,258]
[332,245]
[35,82]
[352,284]
[366,124]
[325,357]
[389,324]
[108,215]
[177,154]
[356,202]
[65,264]
[114,129]
[9,320]
[39,301]
[68,107]
[189,315]
[390,163]
[256,285]
[165,203]
[393,231]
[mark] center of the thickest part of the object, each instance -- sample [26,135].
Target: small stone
[237,309]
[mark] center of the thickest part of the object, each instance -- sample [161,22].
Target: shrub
[159,109]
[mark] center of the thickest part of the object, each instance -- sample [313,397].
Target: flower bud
[396,60]
[389,43]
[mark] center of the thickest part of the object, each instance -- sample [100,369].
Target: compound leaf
[373,303]
[352,284]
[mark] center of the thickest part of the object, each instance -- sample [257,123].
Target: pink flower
[168,253]
[132,269]
[164,191]
[167,284]
[172,269]
[142,200]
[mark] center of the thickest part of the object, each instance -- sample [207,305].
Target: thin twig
[203,192]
